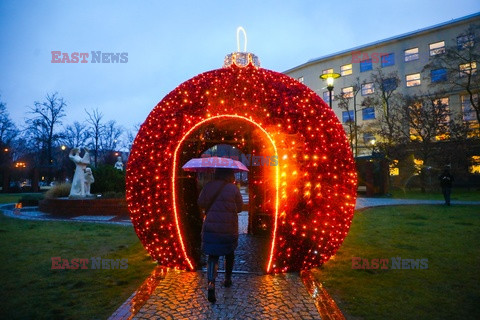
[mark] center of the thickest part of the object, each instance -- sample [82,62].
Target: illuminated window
[369,138]
[417,164]
[346,70]
[474,168]
[438,75]
[469,116]
[437,48]
[467,68]
[443,134]
[326,96]
[327,71]
[368,113]
[467,109]
[365,65]
[413,80]
[300,79]
[388,60]
[347,92]
[394,170]
[465,41]
[347,116]
[411,54]
[367,88]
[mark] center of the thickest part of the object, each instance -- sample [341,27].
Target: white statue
[89,179]
[119,163]
[78,183]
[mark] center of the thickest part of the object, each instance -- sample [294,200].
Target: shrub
[30,200]
[58,191]
[108,179]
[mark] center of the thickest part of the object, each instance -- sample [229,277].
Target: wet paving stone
[182,295]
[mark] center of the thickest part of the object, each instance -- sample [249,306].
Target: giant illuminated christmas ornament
[305,200]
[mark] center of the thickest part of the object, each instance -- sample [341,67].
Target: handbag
[215,197]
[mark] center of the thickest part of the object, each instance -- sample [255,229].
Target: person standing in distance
[446,180]
[222,202]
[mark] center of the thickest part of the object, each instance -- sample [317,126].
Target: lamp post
[329,77]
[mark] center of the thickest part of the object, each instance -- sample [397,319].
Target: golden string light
[309,195]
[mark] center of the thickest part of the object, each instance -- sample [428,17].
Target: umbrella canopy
[208,163]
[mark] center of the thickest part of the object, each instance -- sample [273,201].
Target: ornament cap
[241,59]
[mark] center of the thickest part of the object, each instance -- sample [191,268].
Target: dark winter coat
[446,180]
[220,227]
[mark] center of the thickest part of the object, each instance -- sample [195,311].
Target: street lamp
[329,77]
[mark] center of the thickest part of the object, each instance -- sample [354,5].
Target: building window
[411,54]
[368,113]
[413,80]
[389,84]
[369,138]
[438,75]
[394,170]
[327,71]
[443,103]
[347,92]
[367,88]
[347,116]
[467,68]
[465,41]
[470,116]
[365,65]
[326,96]
[437,48]
[300,79]
[346,70]
[467,109]
[388,60]
[474,167]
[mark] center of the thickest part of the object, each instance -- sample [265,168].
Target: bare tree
[345,101]
[130,137]
[8,130]
[96,128]
[458,67]
[387,101]
[75,135]
[8,134]
[46,116]
[110,138]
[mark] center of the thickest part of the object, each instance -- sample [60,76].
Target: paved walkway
[173,294]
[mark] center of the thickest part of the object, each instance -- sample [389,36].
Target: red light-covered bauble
[308,194]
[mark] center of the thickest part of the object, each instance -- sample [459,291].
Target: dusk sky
[169,42]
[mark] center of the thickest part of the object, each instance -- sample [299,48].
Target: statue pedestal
[84,207]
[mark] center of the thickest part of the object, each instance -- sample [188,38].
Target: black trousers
[212,266]
[446,194]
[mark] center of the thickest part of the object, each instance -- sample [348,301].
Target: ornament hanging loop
[244,38]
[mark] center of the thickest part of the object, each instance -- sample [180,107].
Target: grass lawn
[460,194]
[32,290]
[449,237]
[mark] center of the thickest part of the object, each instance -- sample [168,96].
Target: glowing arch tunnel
[314,182]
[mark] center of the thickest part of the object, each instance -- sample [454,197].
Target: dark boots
[229,259]
[211,275]
[212,266]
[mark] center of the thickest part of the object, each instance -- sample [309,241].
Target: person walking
[446,180]
[222,202]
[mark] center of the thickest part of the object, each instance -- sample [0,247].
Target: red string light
[314,182]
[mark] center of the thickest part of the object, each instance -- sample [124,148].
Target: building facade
[405,55]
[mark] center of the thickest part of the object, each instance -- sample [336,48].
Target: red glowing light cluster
[314,185]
